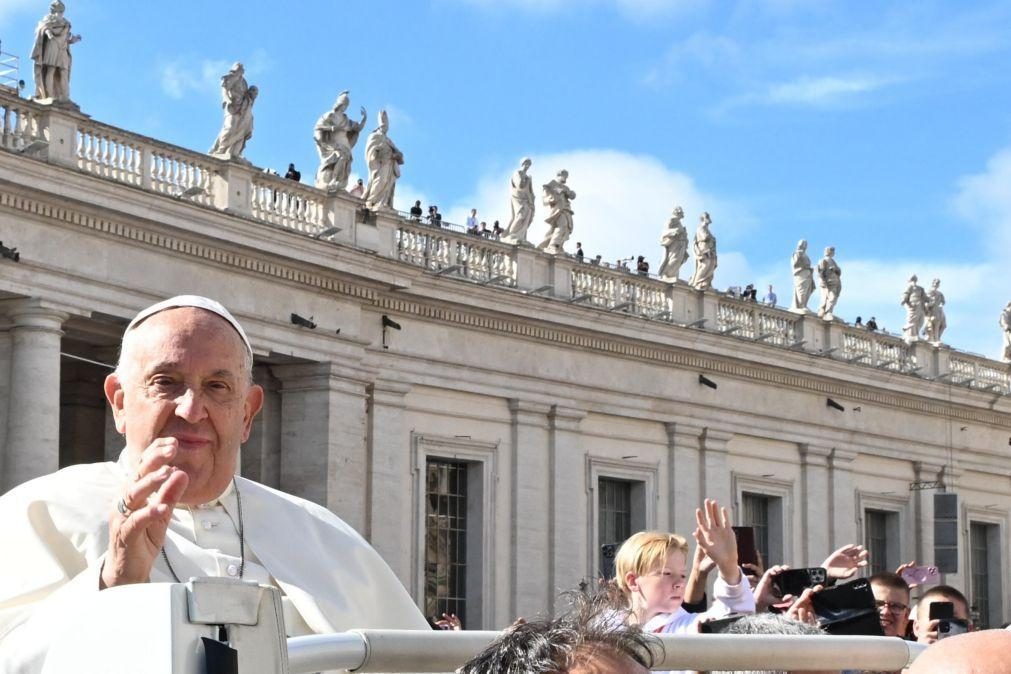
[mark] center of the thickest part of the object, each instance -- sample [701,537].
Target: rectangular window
[984,563]
[881,538]
[615,507]
[446,538]
[755,514]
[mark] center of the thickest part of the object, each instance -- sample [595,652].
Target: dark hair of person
[553,646]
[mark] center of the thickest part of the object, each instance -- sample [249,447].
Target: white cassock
[54,535]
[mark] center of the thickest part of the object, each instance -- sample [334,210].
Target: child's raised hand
[716,536]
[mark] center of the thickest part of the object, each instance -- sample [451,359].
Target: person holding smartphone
[891,596]
[927,628]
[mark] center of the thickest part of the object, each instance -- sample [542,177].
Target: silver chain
[242,540]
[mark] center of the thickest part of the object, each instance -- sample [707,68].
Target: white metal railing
[22,124]
[979,373]
[756,321]
[470,257]
[107,155]
[415,651]
[287,203]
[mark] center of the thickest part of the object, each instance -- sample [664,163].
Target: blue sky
[883,129]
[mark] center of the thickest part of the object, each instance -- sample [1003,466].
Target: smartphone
[747,553]
[847,609]
[947,624]
[941,610]
[720,625]
[795,581]
[921,575]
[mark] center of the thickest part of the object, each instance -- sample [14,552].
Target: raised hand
[802,609]
[716,537]
[765,593]
[449,621]
[139,520]
[846,561]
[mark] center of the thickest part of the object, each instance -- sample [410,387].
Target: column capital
[842,458]
[566,418]
[678,432]
[529,413]
[815,455]
[390,393]
[321,376]
[926,471]
[714,440]
[34,314]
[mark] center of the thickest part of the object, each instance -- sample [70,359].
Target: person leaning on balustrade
[172,507]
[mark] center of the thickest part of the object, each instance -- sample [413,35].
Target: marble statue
[51,53]
[705,255]
[803,278]
[335,135]
[937,321]
[237,99]
[830,280]
[521,203]
[384,160]
[914,299]
[558,198]
[1005,324]
[675,242]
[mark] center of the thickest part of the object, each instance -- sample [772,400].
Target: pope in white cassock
[172,506]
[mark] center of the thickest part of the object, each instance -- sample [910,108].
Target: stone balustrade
[75,141]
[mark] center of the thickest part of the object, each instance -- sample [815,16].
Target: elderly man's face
[182,376]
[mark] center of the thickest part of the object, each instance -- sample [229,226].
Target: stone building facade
[488,416]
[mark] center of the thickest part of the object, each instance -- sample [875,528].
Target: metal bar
[419,651]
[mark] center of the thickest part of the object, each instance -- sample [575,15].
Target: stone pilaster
[530,593]
[567,514]
[32,446]
[388,495]
[842,497]
[261,453]
[923,510]
[815,519]
[323,452]
[684,475]
[715,473]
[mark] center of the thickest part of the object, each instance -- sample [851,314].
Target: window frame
[781,511]
[643,502]
[998,600]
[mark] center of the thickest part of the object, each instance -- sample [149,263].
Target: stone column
[715,474]
[842,496]
[567,516]
[32,447]
[531,478]
[815,521]
[389,509]
[323,452]
[261,453]
[684,476]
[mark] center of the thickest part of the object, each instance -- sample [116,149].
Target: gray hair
[769,623]
[553,646]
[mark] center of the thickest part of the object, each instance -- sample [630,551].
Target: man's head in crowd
[771,623]
[985,652]
[891,595]
[923,627]
[584,640]
[650,570]
[184,386]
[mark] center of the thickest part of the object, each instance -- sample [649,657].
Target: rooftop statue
[51,53]
[830,280]
[384,160]
[705,255]
[522,204]
[914,299]
[803,278]
[937,321]
[237,99]
[675,242]
[558,197]
[335,137]
[1005,324]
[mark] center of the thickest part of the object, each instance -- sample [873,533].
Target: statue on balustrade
[237,99]
[1005,324]
[384,160]
[522,204]
[51,53]
[705,255]
[830,280]
[675,242]
[335,135]
[558,198]
[936,319]
[914,299]
[803,278]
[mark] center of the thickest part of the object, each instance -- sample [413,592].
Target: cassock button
[232,570]
[208,525]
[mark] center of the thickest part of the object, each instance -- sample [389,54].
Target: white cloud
[984,200]
[822,90]
[189,74]
[622,202]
